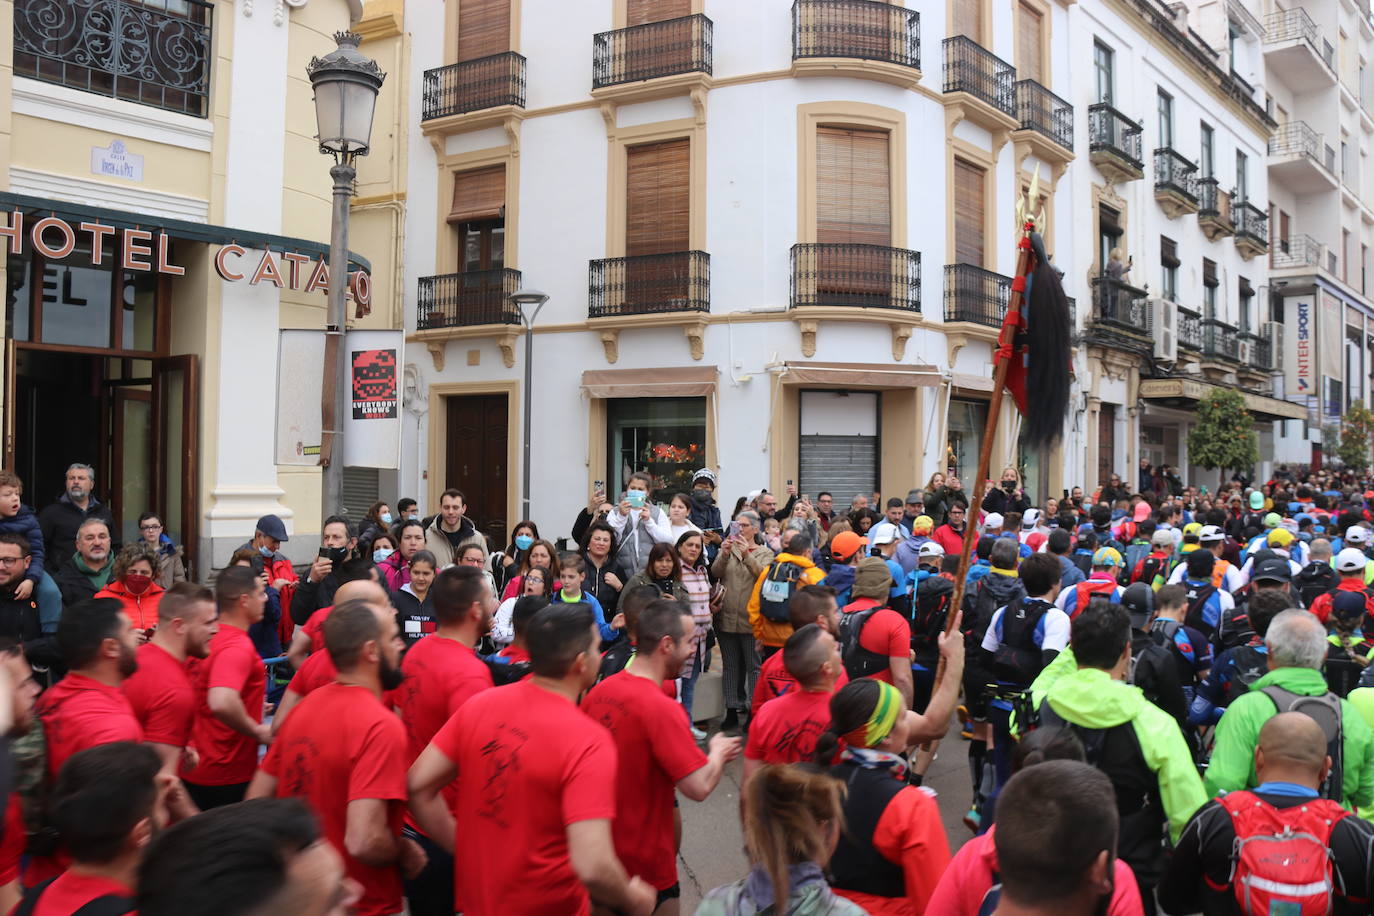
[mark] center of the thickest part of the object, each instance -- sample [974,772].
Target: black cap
[1139,601]
[1274,569]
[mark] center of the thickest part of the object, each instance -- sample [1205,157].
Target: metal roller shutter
[841,465]
[360,487]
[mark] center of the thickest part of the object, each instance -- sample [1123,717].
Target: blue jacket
[978,570]
[266,634]
[26,523]
[841,579]
[1072,575]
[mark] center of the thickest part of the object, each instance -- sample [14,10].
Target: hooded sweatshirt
[775,633]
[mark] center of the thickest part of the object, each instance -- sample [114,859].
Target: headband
[881,721]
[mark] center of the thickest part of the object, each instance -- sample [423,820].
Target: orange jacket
[142,609]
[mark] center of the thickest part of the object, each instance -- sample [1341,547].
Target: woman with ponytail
[890,857]
[793,816]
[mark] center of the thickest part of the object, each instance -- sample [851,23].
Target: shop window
[967,422]
[665,437]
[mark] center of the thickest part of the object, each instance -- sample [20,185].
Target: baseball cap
[705,474]
[273,527]
[1031,518]
[1350,560]
[922,523]
[1107,556]
[1256,500]
[1357,534]
[931,549]
[846,544]
[1210,535]
[882,533]
[994,520]
[1162,538]
[1192,530]
[1142,511]
[1348,605]
[1280,537]
[753,495]
[1272,520]
[1139,601]
[1273,569]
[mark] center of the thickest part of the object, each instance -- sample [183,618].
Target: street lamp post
[529,301]
[346,83]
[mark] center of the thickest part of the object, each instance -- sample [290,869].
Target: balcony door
[970,213]
[968,19]
[658,214]
[1030,43]
[666,49]
[478,216]
[483,28]
[853,210]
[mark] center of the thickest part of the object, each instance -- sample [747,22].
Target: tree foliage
[1356,433]
[1224,435]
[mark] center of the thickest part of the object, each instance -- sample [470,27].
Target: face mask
[266,552]
[386,518]
[335,555]
[523,541]
[381,553]
[137,583]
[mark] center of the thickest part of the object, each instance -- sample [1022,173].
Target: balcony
[1252,230]
[1256,351]
[857,38]
[649,284]
[855,276]
[976,295]
[652,51]
[474,85]
[1220,340]
[1294,48]
[1114,144]
[1046,121]
[1300,252]
[1214,210]
[1175,183]
[1296,159]
[981,84]
[477,297]
[1189,330]
[121,49]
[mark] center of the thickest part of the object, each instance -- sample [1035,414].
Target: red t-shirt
[161,696]
[14,840]
[514,655]
[340,745]
[774,680]
[651,735]
[530,764]
[886,633]
[226,757]
[70,893]
[786,729]
[79,712]
[317,671]
[441,675]
[314,628]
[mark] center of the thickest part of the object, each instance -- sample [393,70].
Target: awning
[671,382]
[1185,392]
[859,375]
[971,382]
[479,195]
[176,228]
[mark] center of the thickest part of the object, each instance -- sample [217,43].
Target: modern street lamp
[529,301]
[346,83]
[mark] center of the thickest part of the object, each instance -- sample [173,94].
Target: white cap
[1210,535]
[883,533]
[753,495]
[1031,518]
[931,549]
[1162,538]
[1357,534]
[994,520]
[1350,560]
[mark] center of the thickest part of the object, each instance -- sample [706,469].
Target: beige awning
[859,375]
[670,382]
[971,382]
[1184,391]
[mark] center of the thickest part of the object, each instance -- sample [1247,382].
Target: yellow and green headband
[881,721]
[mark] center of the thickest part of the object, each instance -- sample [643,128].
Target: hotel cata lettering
[55,239]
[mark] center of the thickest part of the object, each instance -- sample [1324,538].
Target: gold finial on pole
[1029,207]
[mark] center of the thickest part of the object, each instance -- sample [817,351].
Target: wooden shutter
[969,184]
[853,187]
[1168,252]
[1209,272]
[483,28]
[1030,43]
[1283,230]
[968,19]
[479,195]
[638,12]
[658,200]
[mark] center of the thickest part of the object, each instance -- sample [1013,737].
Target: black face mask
[702,498]
[336,555]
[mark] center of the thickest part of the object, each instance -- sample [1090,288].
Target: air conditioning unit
[1247,351]
[1274,331]
[1164,314]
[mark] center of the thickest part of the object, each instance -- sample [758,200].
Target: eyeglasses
[149,527]
[11,561]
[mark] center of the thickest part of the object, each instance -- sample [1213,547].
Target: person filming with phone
[317,589]
[1007,496]
[638,525]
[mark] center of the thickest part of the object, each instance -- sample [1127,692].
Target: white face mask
[381,553]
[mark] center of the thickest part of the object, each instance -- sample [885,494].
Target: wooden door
[658,211]
[483,28]
[478,426]
[1030,55]
[1106,442]
[853,208]
[176,450]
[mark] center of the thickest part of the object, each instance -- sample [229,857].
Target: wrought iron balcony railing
[1258,355]
[1121,305]
[679,281]
[1295,251]
[976,295]
[1287,25]
[1111,131]
[856,276]
[654,49]
[156,53]
[1042,111]
[460,300]
[1251,222]
[971,68]
[1212,200]
[1175,173]
[472,85]
[856,28]
[1297,138]
[1220,339]
[1189,330]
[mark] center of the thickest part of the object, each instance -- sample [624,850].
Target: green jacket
[1090,698]
[1233,760]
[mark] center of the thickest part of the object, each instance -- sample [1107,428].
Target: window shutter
[1246,290]
[968,19]
[479,195]
[638,12]
[1029,49]
[658,205]
[852,187]
[1168,252]
[1209,272]
[483,28]
[969,184]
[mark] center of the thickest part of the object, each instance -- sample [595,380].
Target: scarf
[871,759]
[758,887]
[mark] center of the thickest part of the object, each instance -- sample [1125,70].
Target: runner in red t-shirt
[345,754]
[885,633]
[655,748]
[230,688]
[813,604]
[786,729]
[536,779]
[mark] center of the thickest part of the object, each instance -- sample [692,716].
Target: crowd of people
[1166,695]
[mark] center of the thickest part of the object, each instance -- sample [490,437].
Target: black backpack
[1326,711]
[930,613]
[858,661]
[1316,579]
[1248,664]
[1197,598]
[108,905]
[776,590]
[1017,658]
[1150,567]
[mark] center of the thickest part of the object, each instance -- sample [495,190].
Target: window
[1209,289]
[1168,263]
[1108,235]
[853,207]
[1104,67]
[665,437]
[967,421]
[1207,161]
[1030,38]
[657,198]
[483,28]
[478,215]
[970,182]
[1246,295]
[1166,119]
[1345,255]
[968,19]
[1345,160]
[1242,176]
[1364,267]
[1285,229]
[1232,37]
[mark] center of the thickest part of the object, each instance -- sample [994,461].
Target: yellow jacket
[769,632]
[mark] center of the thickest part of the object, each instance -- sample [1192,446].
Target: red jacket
[948,538]
[142,609]
[1322,606]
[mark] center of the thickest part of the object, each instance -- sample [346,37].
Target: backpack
[775,592]
[930,612]
[1087,590]
[29,756]
[504,672]
[858,661]
[1198,596]
[1281,859]
[108,905]
[1316,579]
[1248,664]
[1017,658]
[1148,568]
[1325,710]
